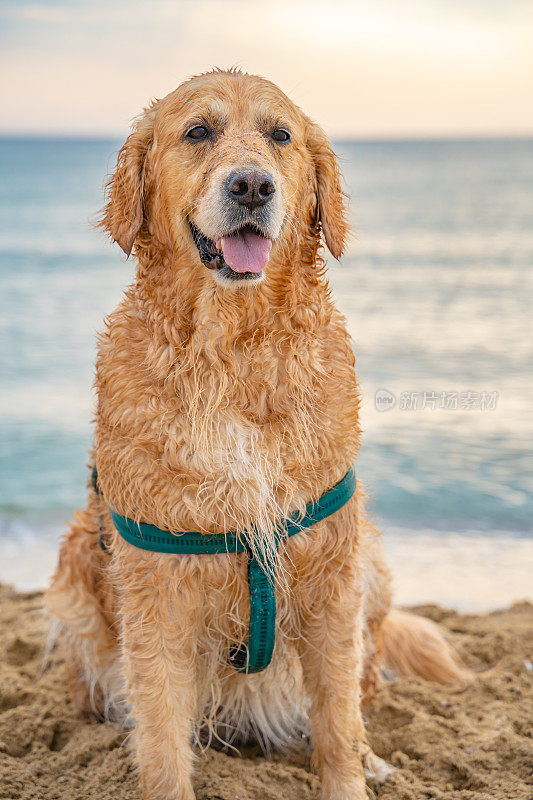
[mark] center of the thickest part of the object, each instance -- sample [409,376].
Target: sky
[364,68]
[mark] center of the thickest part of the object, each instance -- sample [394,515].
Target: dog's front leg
[159,648]
[330,652]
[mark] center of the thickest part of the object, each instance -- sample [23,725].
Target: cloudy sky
[364,68]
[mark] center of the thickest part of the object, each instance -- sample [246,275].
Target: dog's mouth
[241,254]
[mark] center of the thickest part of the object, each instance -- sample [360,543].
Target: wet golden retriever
[227,400]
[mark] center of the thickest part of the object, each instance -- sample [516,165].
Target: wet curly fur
[222,409]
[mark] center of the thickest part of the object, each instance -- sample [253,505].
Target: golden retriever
[227,400]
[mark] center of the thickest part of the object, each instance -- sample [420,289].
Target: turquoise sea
[437,291]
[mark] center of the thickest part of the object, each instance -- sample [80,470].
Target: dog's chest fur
[223,434]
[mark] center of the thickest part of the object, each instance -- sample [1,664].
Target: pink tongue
[246,252]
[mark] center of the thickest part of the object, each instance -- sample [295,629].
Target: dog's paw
[375,768]
[347,793]
[344,790]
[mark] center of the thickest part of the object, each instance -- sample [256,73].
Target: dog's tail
[415,647]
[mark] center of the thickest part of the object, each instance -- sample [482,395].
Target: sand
[465,742]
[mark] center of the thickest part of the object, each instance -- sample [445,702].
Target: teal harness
[257,654]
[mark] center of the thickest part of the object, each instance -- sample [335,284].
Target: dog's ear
[123,214]
[331,200]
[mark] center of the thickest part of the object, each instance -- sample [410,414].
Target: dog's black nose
[250,187]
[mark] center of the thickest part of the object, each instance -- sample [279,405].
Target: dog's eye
[197,133]
[280,135]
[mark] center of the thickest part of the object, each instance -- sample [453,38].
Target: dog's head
[229,168]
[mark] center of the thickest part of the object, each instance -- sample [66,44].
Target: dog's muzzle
[248,219]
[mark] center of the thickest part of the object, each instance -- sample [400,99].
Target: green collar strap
[257,654]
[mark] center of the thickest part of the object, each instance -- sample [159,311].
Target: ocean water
[436,289]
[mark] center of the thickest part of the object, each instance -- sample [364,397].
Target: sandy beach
[468,742]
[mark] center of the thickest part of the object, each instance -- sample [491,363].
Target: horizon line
[367,138]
